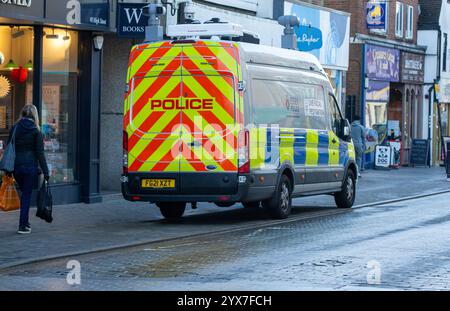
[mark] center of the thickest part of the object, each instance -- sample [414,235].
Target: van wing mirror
[346,131]
[242,86]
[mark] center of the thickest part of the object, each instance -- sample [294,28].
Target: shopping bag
[45,203]
[9,198]
[9,155]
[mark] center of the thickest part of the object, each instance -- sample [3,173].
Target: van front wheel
[172,210]
[346,198]
[280,205]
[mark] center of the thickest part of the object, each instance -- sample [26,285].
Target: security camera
[154,9]
[289,21]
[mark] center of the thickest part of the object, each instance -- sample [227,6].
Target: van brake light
[125,153]
[244,152]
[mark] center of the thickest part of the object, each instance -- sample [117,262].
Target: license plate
[158,183]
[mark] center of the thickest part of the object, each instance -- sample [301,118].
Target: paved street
[409,248]
[320,247]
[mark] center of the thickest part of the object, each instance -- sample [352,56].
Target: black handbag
[45,203]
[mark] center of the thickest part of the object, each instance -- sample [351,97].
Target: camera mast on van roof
[205,30]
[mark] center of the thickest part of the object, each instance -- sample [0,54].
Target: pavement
[80,228]
[398,246]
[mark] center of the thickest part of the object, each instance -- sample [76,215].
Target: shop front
[382,72]
[392,106]
[442,133]
[411,119]
[48,58]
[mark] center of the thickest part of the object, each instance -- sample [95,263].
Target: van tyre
[346,198]
[280,205]
[172,210]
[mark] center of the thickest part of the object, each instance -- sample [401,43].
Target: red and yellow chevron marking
[184,110]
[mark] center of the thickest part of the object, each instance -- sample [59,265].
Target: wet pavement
[401,246]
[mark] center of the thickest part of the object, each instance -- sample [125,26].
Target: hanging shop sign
[382,63]
[412,68]
[376,15]
[22,9]
[323,33]
[309,38]
[131,21]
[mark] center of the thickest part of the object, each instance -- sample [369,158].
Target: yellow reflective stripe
[225,88]
[287,141]
[312,150]
[200,92]
[146,139]
[258,144]
[333,150]
[163,92]
[224,57]
[351,151]
[156,157]
[144,56]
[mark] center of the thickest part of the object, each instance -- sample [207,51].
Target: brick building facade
[386,68]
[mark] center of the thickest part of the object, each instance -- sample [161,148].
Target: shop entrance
[58,109]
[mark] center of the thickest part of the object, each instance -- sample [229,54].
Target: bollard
[447,161]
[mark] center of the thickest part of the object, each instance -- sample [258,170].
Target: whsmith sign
[131,20]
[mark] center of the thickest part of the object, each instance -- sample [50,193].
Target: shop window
[399,20]
[16,66]
[59,102]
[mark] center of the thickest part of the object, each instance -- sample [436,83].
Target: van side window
[289,104]
[335,114]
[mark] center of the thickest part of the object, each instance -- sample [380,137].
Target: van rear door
[210,115]
[152,121]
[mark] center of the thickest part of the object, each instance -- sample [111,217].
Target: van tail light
[125,153]
[244,152]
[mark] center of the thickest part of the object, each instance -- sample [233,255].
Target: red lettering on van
[185,104]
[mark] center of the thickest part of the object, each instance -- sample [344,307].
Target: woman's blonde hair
[30,112]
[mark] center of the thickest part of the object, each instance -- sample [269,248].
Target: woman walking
[30,156]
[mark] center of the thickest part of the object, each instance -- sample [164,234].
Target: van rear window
[289,104]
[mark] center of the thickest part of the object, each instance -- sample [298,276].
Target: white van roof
[263,54]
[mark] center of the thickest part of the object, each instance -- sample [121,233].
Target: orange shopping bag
[9,198]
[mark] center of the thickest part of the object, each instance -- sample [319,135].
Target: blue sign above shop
[323,33]
[376,15]
[131,21]
[90,14]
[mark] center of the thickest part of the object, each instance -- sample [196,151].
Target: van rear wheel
[172,210]
[280,205]
[346,198]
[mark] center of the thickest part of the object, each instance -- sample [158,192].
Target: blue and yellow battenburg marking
[271,146]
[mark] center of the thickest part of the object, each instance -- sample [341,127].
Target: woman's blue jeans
[25,178]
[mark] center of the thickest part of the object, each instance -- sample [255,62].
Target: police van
[209,120]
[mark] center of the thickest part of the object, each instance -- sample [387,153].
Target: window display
[59,102]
